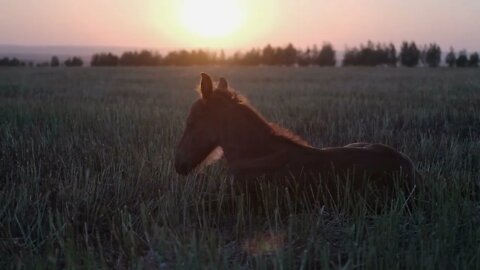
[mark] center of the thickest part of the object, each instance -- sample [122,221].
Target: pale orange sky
[158,24]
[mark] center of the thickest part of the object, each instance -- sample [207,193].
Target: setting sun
[212,18]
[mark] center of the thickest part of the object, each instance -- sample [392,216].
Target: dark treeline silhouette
[142,58]
[369,54]
[462,59]
[11,62]
[409,54]
[269,56]
[190,58]
[104,59]
[73,62]
[431,55]
[54,62]
[474,60]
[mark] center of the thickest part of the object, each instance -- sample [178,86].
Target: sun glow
[212,18]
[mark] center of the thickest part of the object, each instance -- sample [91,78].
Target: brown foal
[221,119]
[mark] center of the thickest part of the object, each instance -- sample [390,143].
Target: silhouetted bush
[74,62]
[409,54]
[451,58]
[104,60]
[474,60]
[431,55]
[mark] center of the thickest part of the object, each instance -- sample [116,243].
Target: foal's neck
[247,135]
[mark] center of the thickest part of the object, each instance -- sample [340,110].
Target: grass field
[87,177]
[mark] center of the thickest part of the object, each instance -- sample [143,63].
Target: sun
[212,18]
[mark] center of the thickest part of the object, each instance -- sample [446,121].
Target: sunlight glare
[212,18]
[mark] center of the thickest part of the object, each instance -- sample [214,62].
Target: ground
[87,177]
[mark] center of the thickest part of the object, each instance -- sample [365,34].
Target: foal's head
[200,139]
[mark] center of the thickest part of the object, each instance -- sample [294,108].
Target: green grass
[87,177]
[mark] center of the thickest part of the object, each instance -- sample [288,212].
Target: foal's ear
[206,86]
[222,84]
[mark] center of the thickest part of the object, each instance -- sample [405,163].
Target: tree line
[54,62]
[269,56]
[368,54]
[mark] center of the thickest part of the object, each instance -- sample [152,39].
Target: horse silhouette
[222,122]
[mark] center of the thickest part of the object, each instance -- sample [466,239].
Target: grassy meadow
[87,178]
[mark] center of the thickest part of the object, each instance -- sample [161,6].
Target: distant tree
[474,60]
[104,59]
[391,55]
[148,58]
[54,62]
[201,57]
[268,55]
[189,58]
[304,57]
[432,55]
[451,58]
[462,59]
[14,62]
[371,54]
[251,58]
[289,55]
[178,58]
[4,62]
[367,55]
[326,56]
[409,54]
[278,56]
[74,62]
[236,58]
[350,58]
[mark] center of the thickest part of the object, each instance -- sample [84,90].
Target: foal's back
[377,164]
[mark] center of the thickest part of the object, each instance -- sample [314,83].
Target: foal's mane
[277,131]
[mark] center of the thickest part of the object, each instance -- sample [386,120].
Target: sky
[238,24]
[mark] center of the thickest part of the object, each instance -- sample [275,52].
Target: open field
[87,177]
